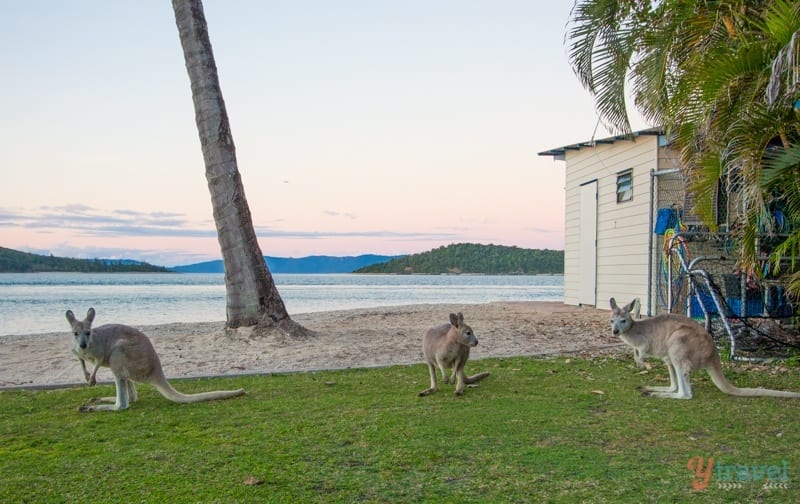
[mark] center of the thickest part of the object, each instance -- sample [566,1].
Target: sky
[361,126]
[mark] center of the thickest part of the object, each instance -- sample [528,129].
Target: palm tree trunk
[250,290]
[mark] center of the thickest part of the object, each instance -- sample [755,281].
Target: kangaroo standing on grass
[447,346]
[685,346]
[131,357]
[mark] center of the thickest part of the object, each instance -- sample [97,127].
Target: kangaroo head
[621,320]
[81,329]
[464,334]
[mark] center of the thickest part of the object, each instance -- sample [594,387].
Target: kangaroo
[131,357]
[684,346]
[447,346]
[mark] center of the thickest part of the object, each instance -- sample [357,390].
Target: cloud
[334,213]
[265,232]
[91,222]
[544,230]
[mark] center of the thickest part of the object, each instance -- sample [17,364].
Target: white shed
[611,195]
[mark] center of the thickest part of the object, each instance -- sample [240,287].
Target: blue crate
[752,308]
[779,305]
[707,301]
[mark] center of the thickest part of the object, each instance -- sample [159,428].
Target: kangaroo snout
[468,340]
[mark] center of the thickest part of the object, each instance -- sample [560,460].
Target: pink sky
[360,128]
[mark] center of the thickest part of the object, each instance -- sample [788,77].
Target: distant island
[310,264]
[14,261]
[463,258]
[471,258]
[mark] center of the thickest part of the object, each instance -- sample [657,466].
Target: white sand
[343,339]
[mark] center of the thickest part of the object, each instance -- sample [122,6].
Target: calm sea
[32,303]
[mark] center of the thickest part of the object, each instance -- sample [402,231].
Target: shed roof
[559,152]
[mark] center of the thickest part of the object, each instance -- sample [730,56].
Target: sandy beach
[368,337]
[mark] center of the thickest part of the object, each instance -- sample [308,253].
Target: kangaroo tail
[469,380]
[722,383]
[168,391]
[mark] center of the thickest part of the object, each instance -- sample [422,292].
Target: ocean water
[32,303]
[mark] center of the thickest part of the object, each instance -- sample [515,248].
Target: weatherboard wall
[622,239]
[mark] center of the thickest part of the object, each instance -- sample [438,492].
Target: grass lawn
[537,430]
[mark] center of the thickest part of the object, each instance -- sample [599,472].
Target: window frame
[624,190]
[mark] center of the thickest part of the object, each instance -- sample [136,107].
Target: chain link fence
[694,272]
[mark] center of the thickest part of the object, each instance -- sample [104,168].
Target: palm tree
[250,290]
[723,78]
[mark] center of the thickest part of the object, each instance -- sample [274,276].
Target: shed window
[625,186]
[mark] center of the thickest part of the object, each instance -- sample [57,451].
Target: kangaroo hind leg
[120,401]
[443,368]
[680,386]
[673,383]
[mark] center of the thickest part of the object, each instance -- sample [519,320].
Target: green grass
[537,430]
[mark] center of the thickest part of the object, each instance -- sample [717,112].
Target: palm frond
[603,40]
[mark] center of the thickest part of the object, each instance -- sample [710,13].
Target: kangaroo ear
[70,316]
[453,320]
[613,304]
[460,319]
[90,315]
[628,307]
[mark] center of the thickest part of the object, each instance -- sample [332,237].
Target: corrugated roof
[561,151]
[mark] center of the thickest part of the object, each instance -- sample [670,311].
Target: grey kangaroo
[684,346]
[447,346]
[131,357]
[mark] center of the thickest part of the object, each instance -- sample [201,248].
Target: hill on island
[14,261]
[310,264]
[475,259]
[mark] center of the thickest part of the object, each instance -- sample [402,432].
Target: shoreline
[343,339]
